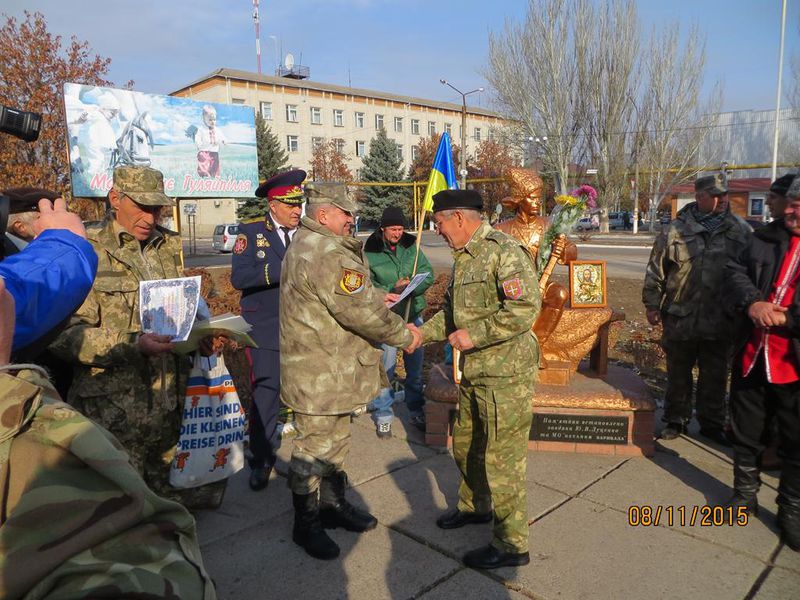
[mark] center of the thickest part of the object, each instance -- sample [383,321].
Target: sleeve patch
[513,288]
[241,244]
[352,281]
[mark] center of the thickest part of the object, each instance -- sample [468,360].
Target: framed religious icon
[587,283]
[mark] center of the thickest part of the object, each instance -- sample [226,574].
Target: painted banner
[204,149]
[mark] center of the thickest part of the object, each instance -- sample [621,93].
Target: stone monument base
[612,414]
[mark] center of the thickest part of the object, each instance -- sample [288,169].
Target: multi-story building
[303,113]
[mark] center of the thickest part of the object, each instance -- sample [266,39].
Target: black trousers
[265,369]
[712,358]
[754,403]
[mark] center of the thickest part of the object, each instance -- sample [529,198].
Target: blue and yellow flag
[443,173]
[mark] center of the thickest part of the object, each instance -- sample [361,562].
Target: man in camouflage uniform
[330,317]
[683,290]
[128,381]
[492,302]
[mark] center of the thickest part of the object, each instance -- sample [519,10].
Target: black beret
[284,187]
[393,215]
[781,184]
[26,199]
[450,199]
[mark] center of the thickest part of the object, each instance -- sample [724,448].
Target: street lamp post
[463,158]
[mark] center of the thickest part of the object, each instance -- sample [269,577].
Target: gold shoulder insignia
[352,281]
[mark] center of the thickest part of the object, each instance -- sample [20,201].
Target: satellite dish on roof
[288,62]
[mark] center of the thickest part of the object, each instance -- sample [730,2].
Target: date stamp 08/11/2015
[672,515]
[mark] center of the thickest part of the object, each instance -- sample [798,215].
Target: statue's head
[526,191]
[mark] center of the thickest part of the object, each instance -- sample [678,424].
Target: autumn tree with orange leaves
[420,167]
[34,66]
[329,163]
[491,161]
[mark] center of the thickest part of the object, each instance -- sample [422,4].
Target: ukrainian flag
[443,173]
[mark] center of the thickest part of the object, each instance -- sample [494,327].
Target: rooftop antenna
[258,35]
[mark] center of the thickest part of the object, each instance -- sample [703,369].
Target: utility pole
[258,35]
[463,157]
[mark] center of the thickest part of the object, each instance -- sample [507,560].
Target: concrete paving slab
[788,559]
[584,550]
[400,427]
[569,473]
[378,564]
[668,481]
[242,507]
[780,584]
[411,499]
[471,585]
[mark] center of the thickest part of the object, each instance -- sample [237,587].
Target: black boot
[308,532]
[789,504]
[746,482]
[335,511]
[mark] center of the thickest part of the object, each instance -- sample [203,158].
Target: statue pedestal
[612,414]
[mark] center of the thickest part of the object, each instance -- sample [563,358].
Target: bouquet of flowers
[569,208]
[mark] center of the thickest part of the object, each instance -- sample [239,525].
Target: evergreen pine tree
[383,163]
[272,159]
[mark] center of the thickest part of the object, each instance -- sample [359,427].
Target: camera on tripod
[19,123]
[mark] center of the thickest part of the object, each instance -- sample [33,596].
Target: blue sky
[400,46]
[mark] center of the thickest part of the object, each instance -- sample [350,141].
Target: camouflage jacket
[76,520]
[330,315]
[684,277]
[101,338]
[494,295]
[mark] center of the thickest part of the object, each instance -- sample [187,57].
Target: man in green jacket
[393,262]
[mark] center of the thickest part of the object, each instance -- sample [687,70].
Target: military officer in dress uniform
[256,270]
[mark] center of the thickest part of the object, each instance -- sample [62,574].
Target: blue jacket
[256,271]
[48,280]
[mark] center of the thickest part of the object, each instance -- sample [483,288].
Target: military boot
[335,511]
[308,532]
[746,482]
[789,504]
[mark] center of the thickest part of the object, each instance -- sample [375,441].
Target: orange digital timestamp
[670,515]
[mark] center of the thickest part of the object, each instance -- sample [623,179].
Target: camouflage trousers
[712,358]
[321,445]
[490,446]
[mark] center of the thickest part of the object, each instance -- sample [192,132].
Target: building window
[316,142]
[398,124]
[400,151]
[415,126]
[266,111]
[291,113]
[414,153]
[237,101]
[491,135]
[448,129]
[339,145]
[316,115]
[358,174]
[378,122]
[360,120]
[477,134]
[756,208]
[338,117]
[292,143]
[431,128]
[361,148]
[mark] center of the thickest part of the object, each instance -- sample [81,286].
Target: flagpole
[420,226]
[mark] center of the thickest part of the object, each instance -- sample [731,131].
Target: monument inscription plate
[592,429]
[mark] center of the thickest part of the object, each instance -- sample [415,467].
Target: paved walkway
[582,545]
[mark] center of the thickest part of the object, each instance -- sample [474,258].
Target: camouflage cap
[330,193]
[143,185]
[713,184]
[794,189]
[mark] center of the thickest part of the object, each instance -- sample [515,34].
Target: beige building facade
[303,113]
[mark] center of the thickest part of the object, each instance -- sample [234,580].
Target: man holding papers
[393,262]
[128,381]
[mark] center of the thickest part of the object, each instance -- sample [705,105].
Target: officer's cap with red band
[284,187]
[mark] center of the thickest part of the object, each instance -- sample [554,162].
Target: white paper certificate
[168,306]
[418,278]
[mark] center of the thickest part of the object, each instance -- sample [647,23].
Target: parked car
[616,220]
[225,237]
[586,224]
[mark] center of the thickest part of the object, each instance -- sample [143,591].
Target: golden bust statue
[529,227]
